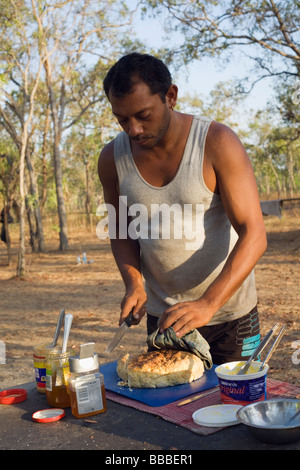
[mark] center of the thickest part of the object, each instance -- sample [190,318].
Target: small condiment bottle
[86,383]
[57,375]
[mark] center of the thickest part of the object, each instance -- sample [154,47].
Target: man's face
[143,116]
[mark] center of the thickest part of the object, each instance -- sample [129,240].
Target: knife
[120,333]
[58,327]
[189,400]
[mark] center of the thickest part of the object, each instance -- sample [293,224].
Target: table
[121,428]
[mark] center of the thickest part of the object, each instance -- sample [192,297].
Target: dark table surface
[121,428]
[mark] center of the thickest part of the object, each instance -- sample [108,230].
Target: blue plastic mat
[157,396]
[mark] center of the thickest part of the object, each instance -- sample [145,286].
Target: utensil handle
[67,328]
[58,327]
[128,320]
[258,350]
[197,397]
[273,347]
[263,344]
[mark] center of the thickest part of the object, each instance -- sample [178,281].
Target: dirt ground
[92,293]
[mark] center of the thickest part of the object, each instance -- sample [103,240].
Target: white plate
[217,415]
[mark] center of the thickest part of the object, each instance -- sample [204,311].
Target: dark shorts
[231,341]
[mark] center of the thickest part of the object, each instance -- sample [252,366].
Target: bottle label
[88,395]
[57,376]
[40,372]
[48,379]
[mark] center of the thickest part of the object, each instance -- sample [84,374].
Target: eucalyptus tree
[81,149]
[266,30]
[76,37]
[275,153]
[20,73]
[61,44]
[267,34]
[8,184]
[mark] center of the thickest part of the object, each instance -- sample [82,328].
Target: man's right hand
[134,299]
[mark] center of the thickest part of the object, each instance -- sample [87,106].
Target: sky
[202,76]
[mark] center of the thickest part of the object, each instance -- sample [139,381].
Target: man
[164,158]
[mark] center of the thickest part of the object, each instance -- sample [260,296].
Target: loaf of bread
[163,368]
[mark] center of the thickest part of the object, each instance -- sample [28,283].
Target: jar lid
[85,364]
[48,415]
[13,395]
[217,415]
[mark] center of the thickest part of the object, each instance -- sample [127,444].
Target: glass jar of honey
[86,384]
[57,375]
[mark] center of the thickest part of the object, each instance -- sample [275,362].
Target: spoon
[67,328]
[58,327]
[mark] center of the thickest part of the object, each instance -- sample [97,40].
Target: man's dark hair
[134,68]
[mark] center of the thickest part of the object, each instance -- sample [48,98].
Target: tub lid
[12,396]
[217,415]
[48,415]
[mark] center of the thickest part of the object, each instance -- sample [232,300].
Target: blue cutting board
[157,396]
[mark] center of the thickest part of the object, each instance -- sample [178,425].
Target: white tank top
[184,233]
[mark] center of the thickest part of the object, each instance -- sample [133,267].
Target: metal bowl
[268,420]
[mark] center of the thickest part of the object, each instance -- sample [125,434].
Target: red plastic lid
[13,395]
[48,415]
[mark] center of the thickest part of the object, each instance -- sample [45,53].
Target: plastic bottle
[86,383]
[84,258]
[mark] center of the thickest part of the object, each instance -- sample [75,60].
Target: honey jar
[57,375]
[86,383]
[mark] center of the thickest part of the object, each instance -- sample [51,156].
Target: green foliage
[82,109]
[267,31]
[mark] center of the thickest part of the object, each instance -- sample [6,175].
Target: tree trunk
[290,168]
[57,131]
[21,266]
[44,164]
[6,230]
[62,215]
[39,233]
[29,216]
[88,209]
[279,189]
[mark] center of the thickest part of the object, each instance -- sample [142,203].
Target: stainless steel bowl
[268,420]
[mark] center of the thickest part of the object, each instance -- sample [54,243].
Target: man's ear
[171,96]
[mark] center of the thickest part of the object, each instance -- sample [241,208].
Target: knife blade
[120,333]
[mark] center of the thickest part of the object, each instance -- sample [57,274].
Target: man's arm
[237,187]
[125,251]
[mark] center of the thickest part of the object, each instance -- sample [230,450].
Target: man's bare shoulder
[106,163]
[223,146]
[220,134]
[107,153]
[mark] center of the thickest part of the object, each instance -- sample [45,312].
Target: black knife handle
[129,319]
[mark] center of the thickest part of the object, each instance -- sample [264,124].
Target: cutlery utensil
[120,333]
[67,328]
[258,350]
[196,397]
[273,347]
[58,327]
